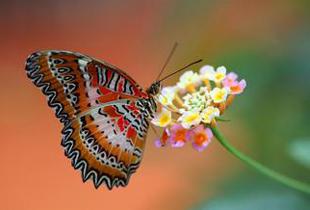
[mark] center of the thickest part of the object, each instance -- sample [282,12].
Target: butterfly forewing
[104,127]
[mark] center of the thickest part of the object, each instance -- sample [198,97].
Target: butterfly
[104,112]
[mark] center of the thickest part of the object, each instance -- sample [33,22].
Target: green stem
[303,187]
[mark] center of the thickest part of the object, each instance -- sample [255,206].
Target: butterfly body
[105,113]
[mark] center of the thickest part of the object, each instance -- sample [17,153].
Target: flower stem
[303,187]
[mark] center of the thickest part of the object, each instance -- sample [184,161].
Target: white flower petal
[207,72]
[188,78]
[221,69]
[209,114]
[167,95]
[219,95]
[163,118]
[189,119]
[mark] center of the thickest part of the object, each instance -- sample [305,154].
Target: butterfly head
[154,89]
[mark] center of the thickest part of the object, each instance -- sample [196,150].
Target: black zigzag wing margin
[33,73]
[80,164]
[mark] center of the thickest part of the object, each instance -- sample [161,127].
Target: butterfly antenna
[181,69]
[167,60]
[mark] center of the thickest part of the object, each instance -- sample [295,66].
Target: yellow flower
[209,113]
[219,95]
[163,118]
[189,119]
[208,72]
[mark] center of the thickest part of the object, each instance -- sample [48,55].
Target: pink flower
[231,82]
[163,140]
[179,136]
[237,89]
[200,137]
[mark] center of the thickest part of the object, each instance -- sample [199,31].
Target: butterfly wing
[106,143]
[74,82]
[104,128]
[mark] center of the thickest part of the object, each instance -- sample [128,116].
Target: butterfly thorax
[148,105]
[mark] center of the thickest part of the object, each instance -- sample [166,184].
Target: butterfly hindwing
[104,124]
[107,143]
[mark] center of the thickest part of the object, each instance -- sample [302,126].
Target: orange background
[137,37]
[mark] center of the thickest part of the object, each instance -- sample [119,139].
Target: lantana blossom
[188,81]
[162,118]
[219,95]
[208,72]
[191,107]
[200,137]
[167,95]
[231,82]
[190,118]
[209,113]
[178,136]
[164,139]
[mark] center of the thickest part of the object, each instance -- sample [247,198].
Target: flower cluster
[193,105]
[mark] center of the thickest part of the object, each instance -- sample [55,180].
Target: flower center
[235,88]
[192,117]
[180,135]
[219,76]
[197,101]
[200,138]
[219,95]
[164,119]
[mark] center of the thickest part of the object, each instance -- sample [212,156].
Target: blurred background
[265,42]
